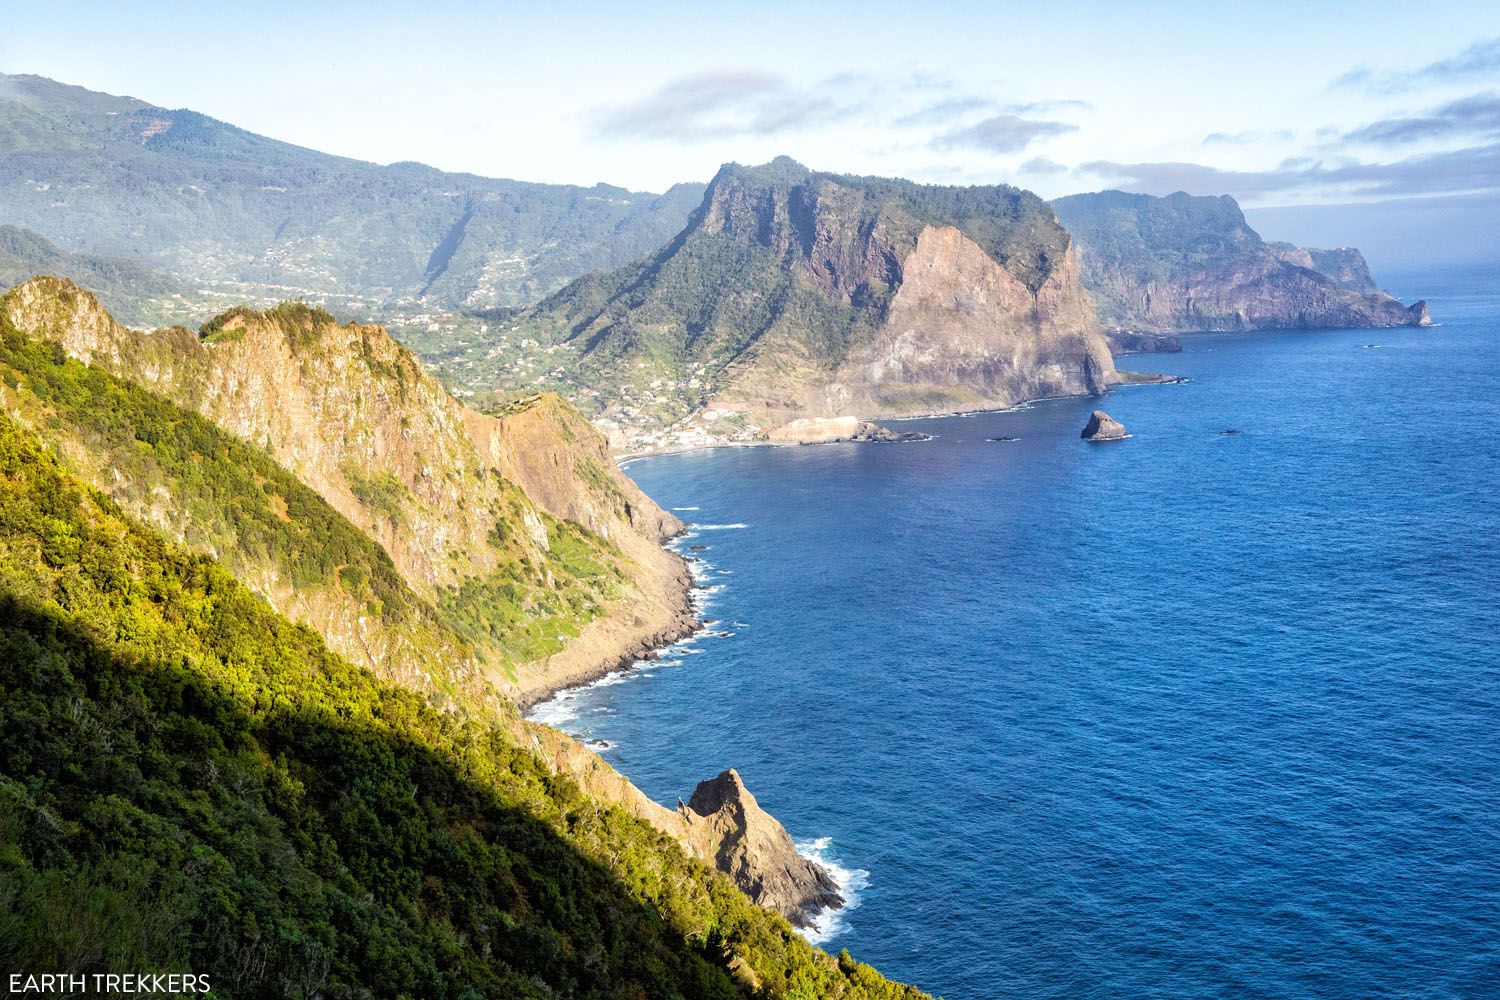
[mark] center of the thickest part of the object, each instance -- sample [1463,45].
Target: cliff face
[793,293]
[481,519]
[1179,264]
[517,528]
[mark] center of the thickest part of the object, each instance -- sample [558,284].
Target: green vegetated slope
[134,293]
[363,434]
[203,200]
[190,782]
[1183,263]
[782,274]
[220,495]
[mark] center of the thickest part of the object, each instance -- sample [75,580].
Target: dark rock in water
[875,434]
[1003,437]
[1103,427]
[1128,342]
[697,548]
[748,844]
[1229,432]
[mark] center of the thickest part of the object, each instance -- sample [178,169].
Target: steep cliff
[727,824]
[1180,263]
[516,528]
[795,293]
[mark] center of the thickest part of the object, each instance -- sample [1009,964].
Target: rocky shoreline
[625,652]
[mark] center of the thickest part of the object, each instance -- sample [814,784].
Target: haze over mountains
[245,215]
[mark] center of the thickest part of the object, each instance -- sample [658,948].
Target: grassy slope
[188,781]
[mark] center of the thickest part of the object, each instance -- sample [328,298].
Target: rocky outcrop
[726,823]
[468,506]
[1126,342]
[793,293]
[721,825]
[1103,427]
[828,430]
[1346,266]
[1182,264]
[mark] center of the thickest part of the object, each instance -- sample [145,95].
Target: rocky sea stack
[750,846]
[1103,427]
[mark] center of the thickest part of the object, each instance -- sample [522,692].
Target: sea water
[1190,714]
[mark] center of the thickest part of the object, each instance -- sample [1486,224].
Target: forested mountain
[224,209]
[793,292]
[1184,263]
[137,295]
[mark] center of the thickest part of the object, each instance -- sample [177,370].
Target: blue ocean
[1190,714]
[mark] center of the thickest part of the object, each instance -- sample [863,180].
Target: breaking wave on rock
[828,924]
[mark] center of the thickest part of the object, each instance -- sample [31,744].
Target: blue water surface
[1191,714]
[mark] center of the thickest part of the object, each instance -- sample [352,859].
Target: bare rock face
[1103,427]
[827,430]
[963,329]
[726,824]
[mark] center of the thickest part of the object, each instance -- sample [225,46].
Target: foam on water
[851,882]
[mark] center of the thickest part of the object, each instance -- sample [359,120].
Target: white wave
[828,924]
[685,508]
[610,680]
[740,624]
[557,711]
[564,708]
[719,527]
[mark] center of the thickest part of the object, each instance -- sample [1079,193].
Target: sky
[1278,104]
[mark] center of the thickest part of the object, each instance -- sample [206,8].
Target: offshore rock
[1103,427]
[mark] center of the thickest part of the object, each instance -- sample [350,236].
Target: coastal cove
[1191,713]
